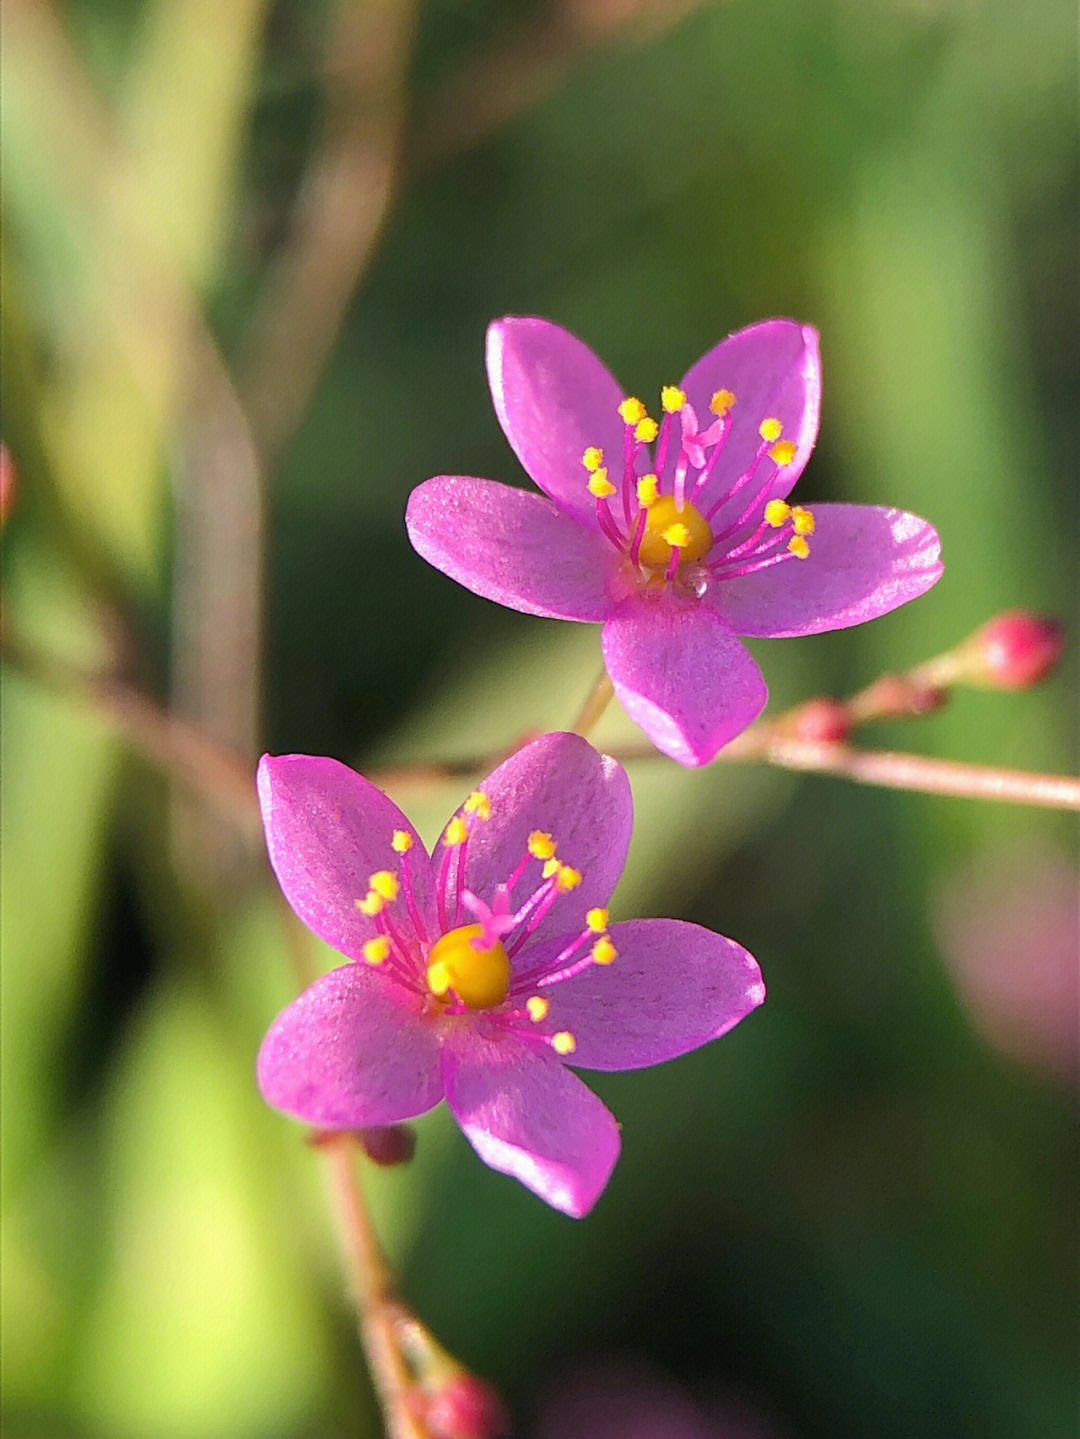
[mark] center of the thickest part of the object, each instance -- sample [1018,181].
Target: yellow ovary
[664,516]
[479,977]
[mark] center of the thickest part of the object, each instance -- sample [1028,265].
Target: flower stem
[599,698]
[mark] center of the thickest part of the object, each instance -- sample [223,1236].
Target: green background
[855,1210]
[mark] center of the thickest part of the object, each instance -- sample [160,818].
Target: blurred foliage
[853,1207]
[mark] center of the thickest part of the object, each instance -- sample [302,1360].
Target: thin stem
[599,698]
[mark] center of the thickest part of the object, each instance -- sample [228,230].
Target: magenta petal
[327,830]
[554,399]
[526,1115]
[673,986]
[681,674]
[560,785]
[351,1051]
[511,546]
[774,371]
[864,561]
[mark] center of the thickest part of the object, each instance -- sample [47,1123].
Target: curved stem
[599,698]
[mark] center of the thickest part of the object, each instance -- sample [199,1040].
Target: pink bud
[823,721]
[1015,650]
[466,1408]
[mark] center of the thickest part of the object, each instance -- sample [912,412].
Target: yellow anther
[672,399]
[552,867]
[438,977]
[537,1008]
[541,845]
[802,521]
[648,487]
[457,831]
[371,904]
[631,411]
[592,459]
[402,841]
[777,513]
[567,879]
[478,804]
[385,884]
[782,453]
[603,951]
[376,950]
[677,536]
[563,1042]
[478,976]
[721,402]
[798,547]
[601,486]
[646,430]
[770,429]
[597,920]
[692,532]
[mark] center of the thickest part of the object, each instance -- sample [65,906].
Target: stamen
[672,399]
[597,920]
[782,453]
[478,804]
[537,1008]
[401,841]
[376,950]
[563,1042]
[631,411]
[802,521]
[567,878]
[770,429]
[541,845]
[371,904]
[600,486]
[603,951]
[777,513]
[721,402]
[646,430]
[457,832]
[385,884]
[592,459]
[648,488]
[798,547]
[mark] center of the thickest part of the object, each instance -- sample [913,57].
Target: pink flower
[676,550]
[477,972]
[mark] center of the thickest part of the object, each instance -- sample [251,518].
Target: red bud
[1014,651]
[466,1408]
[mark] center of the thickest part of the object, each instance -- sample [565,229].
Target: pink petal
[327,830]
[774,371]
[554,399]
[560,785]
[672,987]
[351,1051]
[526,1115]
[864,561]
[681,674]
[511,546]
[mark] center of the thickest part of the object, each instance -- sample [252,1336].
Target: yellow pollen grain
[777,513]
[479,804]
[457,831]
[770,429]
[376,950]
[601,486]
[552,867]
[721,402]
[402,841]
[597,920]
[537,1008]
[371,904]
[567,879]
[385,884]
[541,845]
[592,459]
[563,1042]
[798,547]
[677,536]
[438,977]
[632,410]
[603,951]
[802,520]
[782,453]
[672,399]
[648,487]
[646,430]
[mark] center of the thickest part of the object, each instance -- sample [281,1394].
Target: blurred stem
[226,779]
[602,694]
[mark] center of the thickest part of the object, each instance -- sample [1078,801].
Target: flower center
[669,526]
[479,976]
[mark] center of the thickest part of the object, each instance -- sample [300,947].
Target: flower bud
[388,1144]
[822,721]
[465,1407]
[1013,651]
[7,483]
